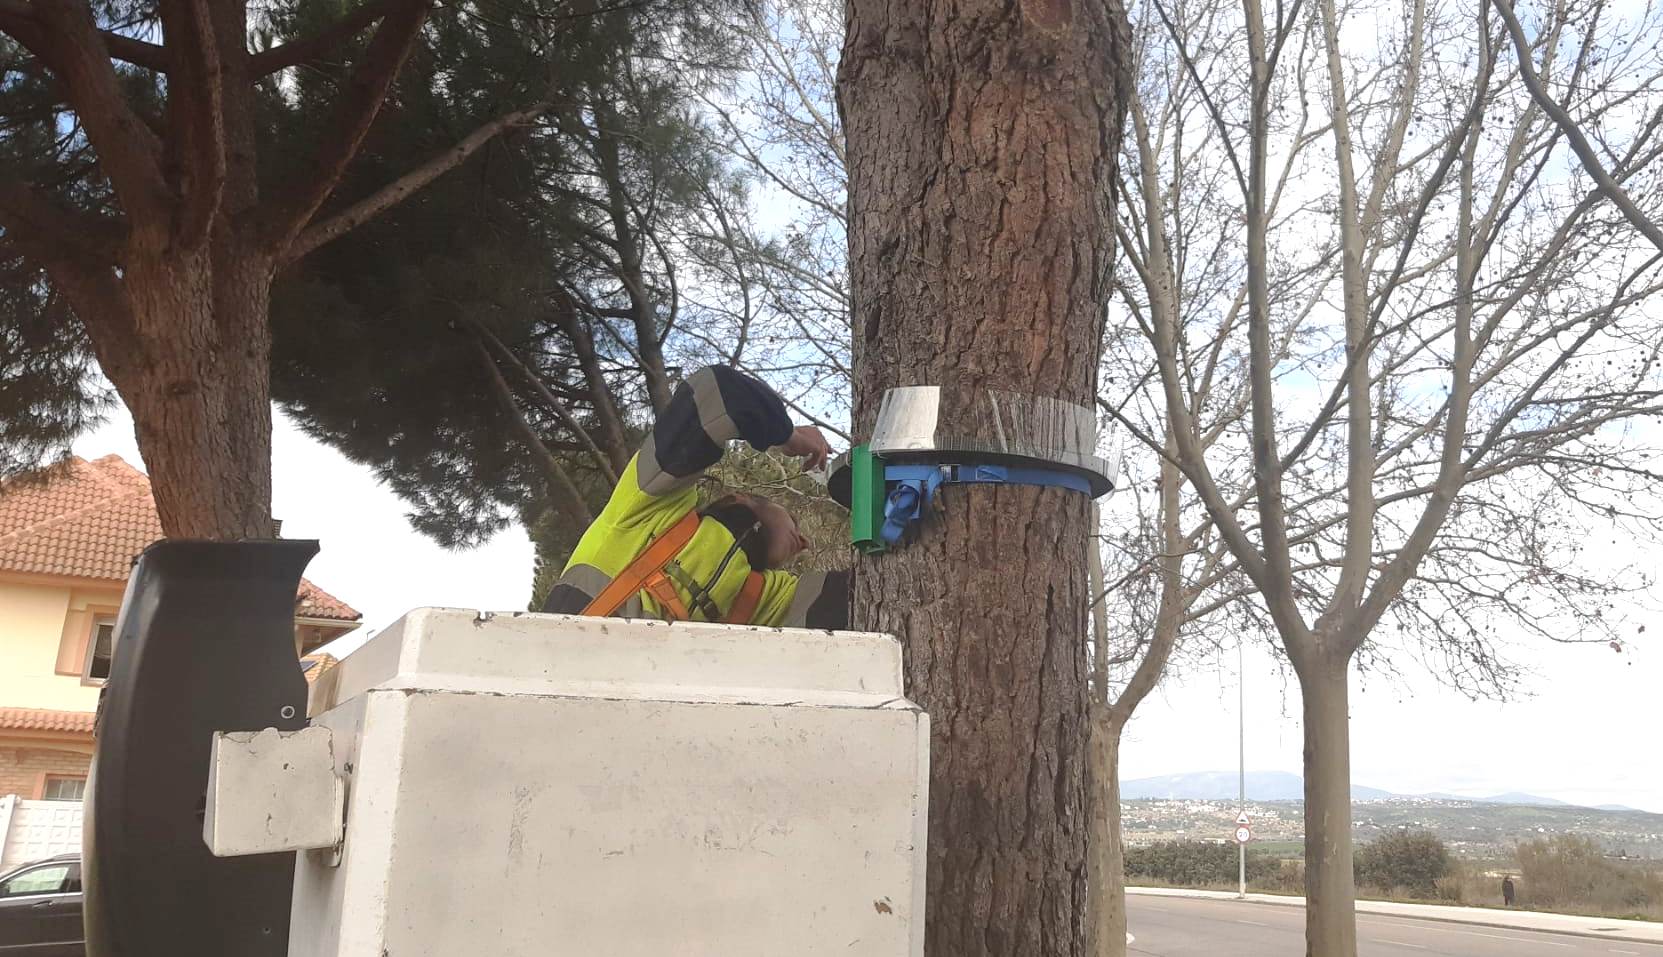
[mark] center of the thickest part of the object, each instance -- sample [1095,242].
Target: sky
[1587,730]
[370,558]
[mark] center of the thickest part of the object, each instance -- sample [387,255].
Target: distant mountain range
[1282,786]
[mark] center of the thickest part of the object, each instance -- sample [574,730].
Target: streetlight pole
[1241,762]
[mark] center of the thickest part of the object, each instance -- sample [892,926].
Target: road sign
[1242,818]
[1244,834]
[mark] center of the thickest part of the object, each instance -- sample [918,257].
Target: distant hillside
[1282,786]
[1223,785]
[1511,797]
[1471,829]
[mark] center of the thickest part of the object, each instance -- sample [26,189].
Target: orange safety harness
[655,572]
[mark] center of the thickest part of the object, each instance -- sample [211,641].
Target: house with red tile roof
[68,538]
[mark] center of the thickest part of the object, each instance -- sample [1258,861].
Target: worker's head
[765,532]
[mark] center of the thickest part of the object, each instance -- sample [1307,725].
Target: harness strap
[647,569]
[663,590]
[744,606]
[674,573]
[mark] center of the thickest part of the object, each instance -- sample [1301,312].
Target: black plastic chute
[205,642]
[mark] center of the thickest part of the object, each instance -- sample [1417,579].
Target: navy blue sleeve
[712,407]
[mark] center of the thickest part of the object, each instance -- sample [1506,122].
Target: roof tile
[315,666]
[34,719]
[86,519]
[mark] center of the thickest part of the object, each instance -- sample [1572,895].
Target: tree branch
[400,189]
[549,399]
[1360,456]
[1584,150]
[600,391]
[1206,99]
[305,49]
[35,222]
[365,91]
[1173,602]
[1267,464]
[17,17]
[196,93]
[563,490]
[78,253]
[130,155]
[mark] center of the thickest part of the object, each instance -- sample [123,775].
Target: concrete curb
[1597,928]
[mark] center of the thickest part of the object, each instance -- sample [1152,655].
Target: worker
[652,553]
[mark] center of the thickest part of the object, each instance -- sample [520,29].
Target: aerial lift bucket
[206,643]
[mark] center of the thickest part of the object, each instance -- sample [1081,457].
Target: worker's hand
[808,444]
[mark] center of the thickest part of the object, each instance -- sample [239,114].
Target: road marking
[1526,940]
[1474,933]
[1401,943]
[1253,922]
[1633,953]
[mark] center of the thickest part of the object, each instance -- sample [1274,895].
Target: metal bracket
[271,791]
[996,437]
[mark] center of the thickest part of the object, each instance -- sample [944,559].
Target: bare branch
[564,492]
[549,399]
[1173,606]
[1573,134]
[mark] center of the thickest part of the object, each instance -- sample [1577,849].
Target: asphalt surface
[1187,927]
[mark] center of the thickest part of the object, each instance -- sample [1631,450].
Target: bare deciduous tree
[1440,322]
[781,124]
[1172,587]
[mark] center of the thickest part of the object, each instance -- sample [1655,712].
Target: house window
[101,649]
[64,789]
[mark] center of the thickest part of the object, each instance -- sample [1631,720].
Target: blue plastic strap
[913,487]
[1019,475]
[912,491]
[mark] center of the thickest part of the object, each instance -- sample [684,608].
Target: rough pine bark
[196,376]
[982,137]
[189,349]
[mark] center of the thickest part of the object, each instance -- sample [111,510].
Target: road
[1187,927]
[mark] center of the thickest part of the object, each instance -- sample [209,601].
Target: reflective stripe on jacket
[711,408]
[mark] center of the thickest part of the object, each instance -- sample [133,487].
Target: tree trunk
[195,373]
[1330,891]
[982,137]
[1108,855]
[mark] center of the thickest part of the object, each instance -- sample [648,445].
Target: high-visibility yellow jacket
[711,408]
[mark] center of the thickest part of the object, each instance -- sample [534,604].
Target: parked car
[40,909]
